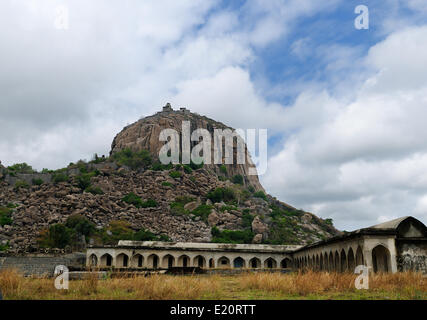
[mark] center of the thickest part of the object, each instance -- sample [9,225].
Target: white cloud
[362,158]
[357,155]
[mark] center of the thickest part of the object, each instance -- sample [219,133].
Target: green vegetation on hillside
[231,236]
[5,216]
[133,160]
[133,199]
[221,194]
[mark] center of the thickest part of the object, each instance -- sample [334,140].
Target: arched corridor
[137,261]
[106,260]
[168,261]
[255,263]
[199,261]
[270,263]
[381,259]
[239,262]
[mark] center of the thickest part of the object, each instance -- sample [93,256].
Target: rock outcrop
[144,135]
[36,206]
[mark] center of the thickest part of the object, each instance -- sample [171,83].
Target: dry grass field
[308,285]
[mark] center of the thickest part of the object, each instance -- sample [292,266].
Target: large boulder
[144,135]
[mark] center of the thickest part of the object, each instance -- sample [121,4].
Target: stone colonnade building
[164,255]
[397,245]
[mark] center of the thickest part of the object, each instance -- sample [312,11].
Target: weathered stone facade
[398,245]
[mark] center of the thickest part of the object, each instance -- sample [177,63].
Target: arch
[325,262]
[337,262]
[137,261]
[153,261]
[223,262]
[270,263]
[359,256]
[184,261]
[350,259]
[381,259]
[317,263]
[93,260]
[255,263]
[239,262]
[107,260]
[331,266]
[343,265]
[211,263]
[285,263]
[321,262]
[122,260]
[168,261]
[199,261]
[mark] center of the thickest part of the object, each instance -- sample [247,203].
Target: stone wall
[41,265]
[412,256]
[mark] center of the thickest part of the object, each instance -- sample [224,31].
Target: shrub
[133,160]
[284,212]
[247,220]
[132,198]
[150,203]
[120,230]
[144,235]
[175,174]
[223,169]
[167,184]
[157,166]
[215,231]
[221,194]
[228,208]
[187,169]
[193,179]
[177,207]
[60,177]
[282,231]
[329,221]
[57,236]
[260,194]
[251,189]
[20,168]
[164,238]
[231,236]
[80,225]
[202,211]
[94,190]
[83,180]
[5,216]
[21,184]
[237,179]
[195,166]
[37,182]
[4,247]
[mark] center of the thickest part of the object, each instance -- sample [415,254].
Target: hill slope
[180,203]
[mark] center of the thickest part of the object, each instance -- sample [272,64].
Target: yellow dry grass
[307,285]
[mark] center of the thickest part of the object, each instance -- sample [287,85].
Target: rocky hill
[131,195]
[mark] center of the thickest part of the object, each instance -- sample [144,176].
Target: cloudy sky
[346,109]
